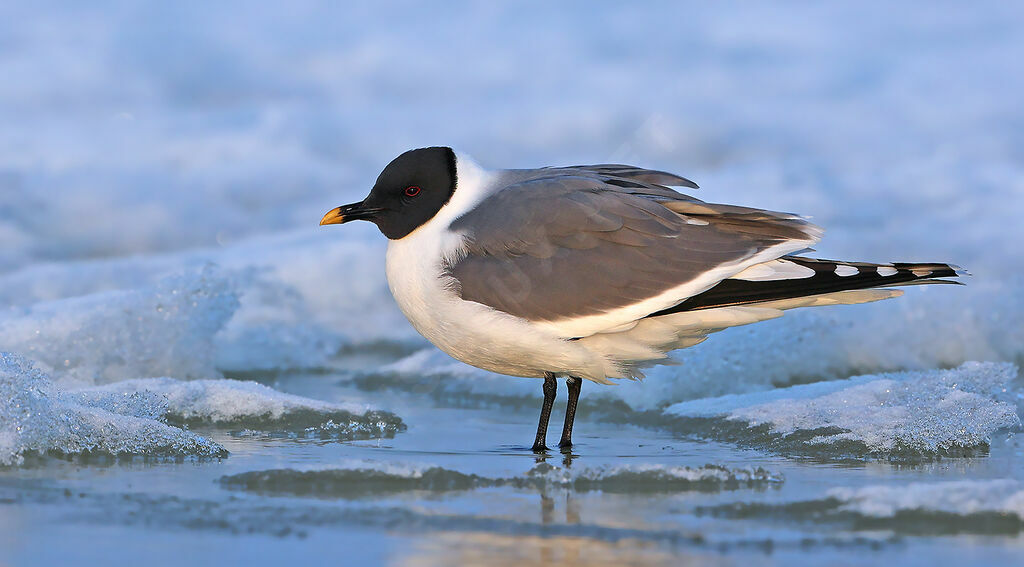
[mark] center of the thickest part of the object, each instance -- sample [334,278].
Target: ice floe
[365,479]
[927,413]
[301,296]
[991,506]
[961,498]
[652,477]
[149,417]
[37,418]
[162,330]
[254,407]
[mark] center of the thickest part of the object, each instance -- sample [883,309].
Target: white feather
[844,271]
[774,270]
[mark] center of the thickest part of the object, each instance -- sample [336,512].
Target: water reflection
[497,550]
[547,503]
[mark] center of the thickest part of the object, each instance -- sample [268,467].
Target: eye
[412,191]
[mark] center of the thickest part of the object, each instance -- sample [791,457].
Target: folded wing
[590,248]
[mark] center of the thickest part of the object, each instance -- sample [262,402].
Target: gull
[591,272]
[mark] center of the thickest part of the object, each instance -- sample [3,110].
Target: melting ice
[37,418]
[143,417]
[926,413]
[362,480]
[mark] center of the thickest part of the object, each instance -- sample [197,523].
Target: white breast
[469,331]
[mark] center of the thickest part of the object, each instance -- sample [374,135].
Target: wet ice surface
[144,418]
[255,408]
[909,414]
[203,375]
[954,507]
[367,481]
[158,330]
[37,418]
[449,488]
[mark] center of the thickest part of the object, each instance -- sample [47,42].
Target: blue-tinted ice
[199,372]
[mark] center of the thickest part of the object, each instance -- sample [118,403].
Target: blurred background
[131,128]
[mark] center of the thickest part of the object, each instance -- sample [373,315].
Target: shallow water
[455,487]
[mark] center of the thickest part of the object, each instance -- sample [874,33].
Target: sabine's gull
[591,271]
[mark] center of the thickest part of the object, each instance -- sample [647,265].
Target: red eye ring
[412,191]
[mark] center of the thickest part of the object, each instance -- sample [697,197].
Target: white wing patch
[774,270]
[844,271]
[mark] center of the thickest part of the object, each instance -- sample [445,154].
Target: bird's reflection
[547,501]
[567,458]
[560,505]
[500,550]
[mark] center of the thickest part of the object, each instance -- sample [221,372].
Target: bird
[592,272]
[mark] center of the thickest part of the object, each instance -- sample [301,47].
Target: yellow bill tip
[333,216]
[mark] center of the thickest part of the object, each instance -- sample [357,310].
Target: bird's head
[408,193]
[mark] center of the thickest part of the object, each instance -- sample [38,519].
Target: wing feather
[560,243]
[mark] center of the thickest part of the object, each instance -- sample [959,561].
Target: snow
[935,412]
[252,405]
[140,417]
[301,295]
[653,477]
[962,498]
[162,330]
[37,418]
[222,401]
[988,506]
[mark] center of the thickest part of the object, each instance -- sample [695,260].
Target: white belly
[468,331]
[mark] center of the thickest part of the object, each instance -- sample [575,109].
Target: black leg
[550,387]
[574,384]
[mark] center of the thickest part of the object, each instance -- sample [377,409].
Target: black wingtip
[829,276]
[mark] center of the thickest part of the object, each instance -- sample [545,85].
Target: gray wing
[616,174]
[630,179]
[566,242]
